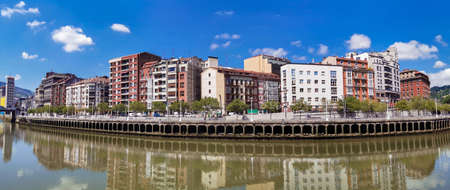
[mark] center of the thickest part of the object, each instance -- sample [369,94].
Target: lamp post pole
[435,106]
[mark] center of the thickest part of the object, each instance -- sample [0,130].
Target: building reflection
[143,163]
[6,141]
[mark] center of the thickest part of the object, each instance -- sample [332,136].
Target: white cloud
[323,49]
[358,41]
[226,36]
[225,13]
[213,46]
[25,55]
[18,8]
[35,24]
[311,50]
[17,77]
[280,52]
[68,183]
[120,28]
[72,38]
[298,58]
[226,44]
[440,40]
[440,78]
[297,43]
[439,64]
[42,59]
[414,50]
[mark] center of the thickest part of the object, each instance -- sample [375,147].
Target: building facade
[171,80]
[52,90]
[316,84]
[88,93]
[227,84]
[414,84]
[10,92]
[125,77]
[265,64]
[386,71]
[358,78]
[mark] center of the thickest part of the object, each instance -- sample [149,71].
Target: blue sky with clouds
[81,36]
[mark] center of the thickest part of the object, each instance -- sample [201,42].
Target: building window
[323,81]
[333,90]
[316,99]
[209,91]
[316,73]
[284,73]
[316,81]
[300,72]
[333,74]
[301,89]
[309,99]
[323,73]
[309,90]
[323,90]
[308,81]
[209,83]
[293,73]
[316,90]
[333,82]
[301,81]
[308,72]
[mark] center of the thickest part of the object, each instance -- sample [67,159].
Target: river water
[42,158]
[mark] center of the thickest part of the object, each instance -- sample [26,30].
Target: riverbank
[251,129]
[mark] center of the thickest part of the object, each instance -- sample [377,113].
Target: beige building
[227,84]
[265,64]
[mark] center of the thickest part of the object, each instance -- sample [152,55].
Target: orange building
[414,83]
[358,77]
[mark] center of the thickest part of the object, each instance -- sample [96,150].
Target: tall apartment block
[171,80]
[316,84]
[387,73]
[265,64]
[227,84]
[125,77]
[414,83]
[88,93]
[10,91]
[52,90]
[357,76]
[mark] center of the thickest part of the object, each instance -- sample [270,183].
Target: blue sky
[77,36]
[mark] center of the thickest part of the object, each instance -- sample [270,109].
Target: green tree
[402,105]
[119,108]
[70,110]
[175,107]
[159,107]
[196,106]
[352,104]
[446,99]
[138,107]
[237,106]
[103,108]
[210,104]
[271,107]
[300,106]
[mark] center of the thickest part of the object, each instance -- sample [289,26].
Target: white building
[387,72]
[315,84]
[10,91]
[88,93]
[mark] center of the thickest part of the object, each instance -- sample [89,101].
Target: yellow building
[3,101]
[265,64]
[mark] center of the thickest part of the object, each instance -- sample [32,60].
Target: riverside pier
[251,129]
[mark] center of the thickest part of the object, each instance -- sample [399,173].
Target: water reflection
[145,163]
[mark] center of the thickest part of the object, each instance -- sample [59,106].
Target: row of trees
[422,104]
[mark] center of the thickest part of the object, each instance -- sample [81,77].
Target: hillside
[20,92]
[439,92]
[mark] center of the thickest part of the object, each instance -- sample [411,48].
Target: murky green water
[40,158]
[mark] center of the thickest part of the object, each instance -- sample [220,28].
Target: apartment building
[88,93]
[357,76]
[171,80]
[210,62]
[227,84]
[125,77]
[386,71]
[414,83]
[52,90]
[316,84]
[265,64]
[10,92]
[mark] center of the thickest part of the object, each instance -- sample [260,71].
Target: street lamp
[435,105]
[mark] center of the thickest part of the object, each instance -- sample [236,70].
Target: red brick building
[125,77]
[414,83]
[358,77]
